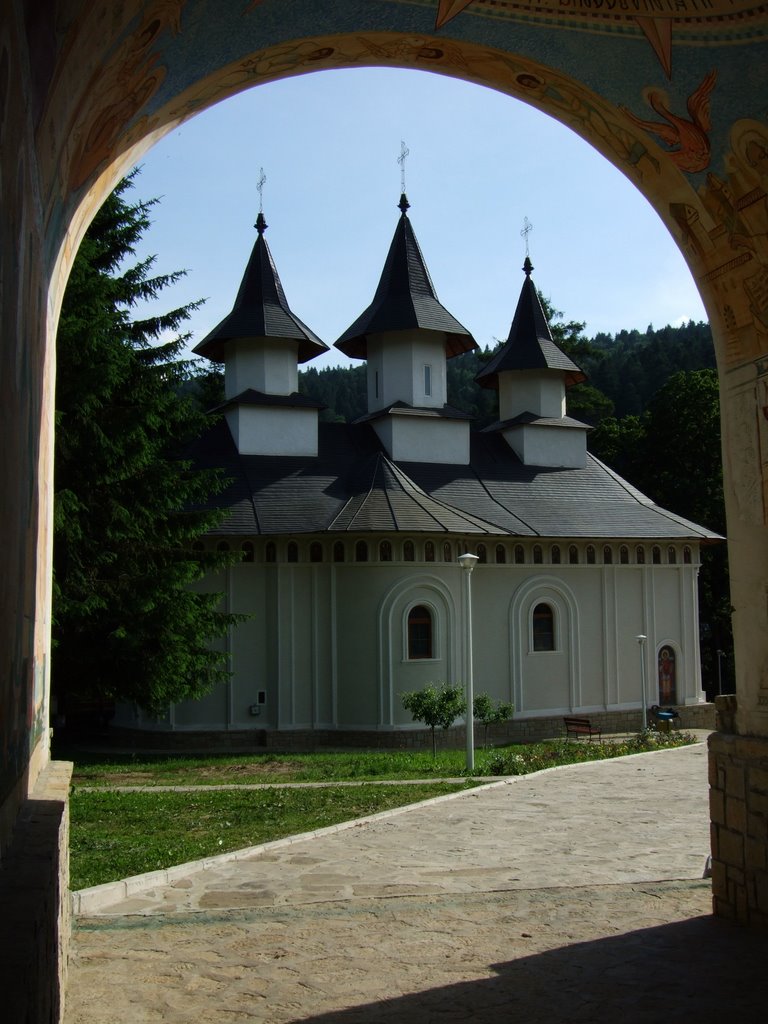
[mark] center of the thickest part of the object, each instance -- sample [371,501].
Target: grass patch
[348,766]
[114,835]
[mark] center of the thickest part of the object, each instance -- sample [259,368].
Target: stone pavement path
[572,895]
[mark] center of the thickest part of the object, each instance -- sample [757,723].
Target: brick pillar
[738,778]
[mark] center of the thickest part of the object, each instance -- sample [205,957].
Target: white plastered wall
[273,430]
[264,364]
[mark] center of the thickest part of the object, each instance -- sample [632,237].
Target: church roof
[529,345]
[261,310]
[352,486]
[405,299]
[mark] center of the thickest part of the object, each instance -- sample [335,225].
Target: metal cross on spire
[260,188]
[404,151]
[526,230]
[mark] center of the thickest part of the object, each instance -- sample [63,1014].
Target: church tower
[531,375]
[261,342]
[406,335]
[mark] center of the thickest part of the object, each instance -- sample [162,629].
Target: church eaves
[261,310]
[529,345]
[405,300]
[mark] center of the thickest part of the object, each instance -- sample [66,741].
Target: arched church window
[385,551]
[292,553]
[447,552]
[543,628]
[656,554]
[361,551]
[429,551]
[624,554]
[248,554]
[501,554]
[590,554]
[608,555]
[555,554]
[519,554]
[640,554]
[409,552]
[315,551]
[270,552]
[222,546]
[687,555]
[538,556]
[482,555]
[338,551]
[573,555]
[419,632]
[671,555]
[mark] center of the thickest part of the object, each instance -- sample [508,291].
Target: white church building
[350,533]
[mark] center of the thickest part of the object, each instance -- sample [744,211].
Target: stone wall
[521,730]
[34,920]
[738,778]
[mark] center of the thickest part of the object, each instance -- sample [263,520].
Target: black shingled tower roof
[261,310]
[405,299]
[529,345]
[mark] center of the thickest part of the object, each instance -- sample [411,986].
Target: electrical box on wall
[261,700]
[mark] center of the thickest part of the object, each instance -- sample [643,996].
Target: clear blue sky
[479,164]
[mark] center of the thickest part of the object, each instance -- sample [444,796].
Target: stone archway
[669,93]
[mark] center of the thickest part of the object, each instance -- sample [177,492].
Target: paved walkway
[572,895]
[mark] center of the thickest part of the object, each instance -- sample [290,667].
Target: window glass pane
[316,552]
[573,555]
[408,551]
[361,551]
[501,554]
[248,551]
[338,551]
[519,554]
[543,628]
[429,551]
[385,551]
[293,551]
[419,632]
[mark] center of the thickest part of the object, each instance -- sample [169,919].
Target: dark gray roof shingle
[405,299]
[261,310]
[529,345]
[353,486]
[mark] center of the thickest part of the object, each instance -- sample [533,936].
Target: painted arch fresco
[673,92]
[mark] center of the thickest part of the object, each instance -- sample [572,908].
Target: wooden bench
[575,726]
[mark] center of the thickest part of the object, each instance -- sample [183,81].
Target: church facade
[584,593]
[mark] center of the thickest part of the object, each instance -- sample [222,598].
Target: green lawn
[117,834]
[342,766]
[114,835]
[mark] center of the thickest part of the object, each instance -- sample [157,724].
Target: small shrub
[488,713]
[435,707]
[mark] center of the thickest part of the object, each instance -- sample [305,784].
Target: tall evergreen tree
[127,622]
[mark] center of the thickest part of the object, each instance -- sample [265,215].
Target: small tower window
[573,555]
[419,633]
[447,552]
[640,554]
[427,380]
[656,555]
[482,555]
[538,556]
[608,555]
[501,554]
[385,551]
[429,551]
[624,554]
[338,551]
[293,551]
[555,554]
[671,556]
[270,552]
[543,628]
[590,554]
[316,551]
[519,554]
[687,555]
[361,551]
[248,555]
[409,553]
[376,383]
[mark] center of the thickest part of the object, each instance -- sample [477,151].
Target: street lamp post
[641,639]
[467,563]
